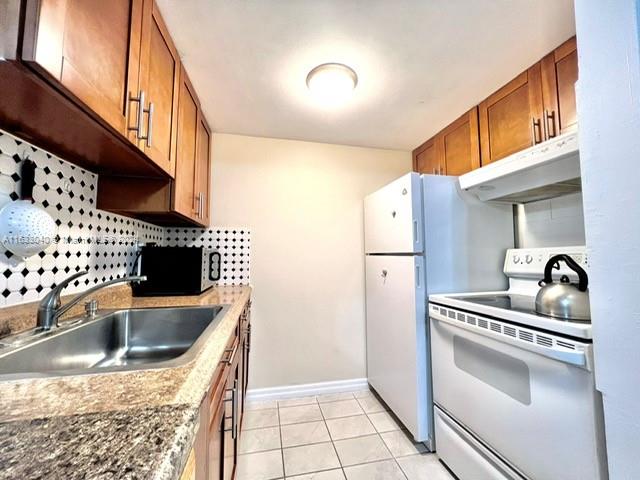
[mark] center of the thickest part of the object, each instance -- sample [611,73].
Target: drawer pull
[234,410]
[231,356]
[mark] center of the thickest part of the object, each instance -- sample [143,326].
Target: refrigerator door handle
[417,276]
[416,231]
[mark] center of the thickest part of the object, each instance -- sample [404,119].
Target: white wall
[303,204]
[551,223]
[609,112]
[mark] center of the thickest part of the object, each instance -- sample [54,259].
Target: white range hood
[544,171]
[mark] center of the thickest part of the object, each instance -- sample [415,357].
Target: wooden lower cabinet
[231,429]
[211,465]
[215,451]
[189,472]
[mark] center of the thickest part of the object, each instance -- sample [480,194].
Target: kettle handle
[583,279]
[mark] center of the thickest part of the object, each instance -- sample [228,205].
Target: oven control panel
[530,262]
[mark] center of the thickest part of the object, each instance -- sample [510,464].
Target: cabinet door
[215,439]
[459,144]
[245,321]
[511,118]
[189,471]
[247,354]
[232,428]
[393,217]
[426,158]
[559,76]
[203,171]
[159,80]
[184,196]
[91,48]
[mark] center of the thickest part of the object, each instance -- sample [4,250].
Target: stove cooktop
[512,307]
[513,302]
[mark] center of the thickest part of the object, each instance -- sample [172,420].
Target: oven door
[534,406]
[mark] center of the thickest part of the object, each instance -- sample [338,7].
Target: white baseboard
[293,391]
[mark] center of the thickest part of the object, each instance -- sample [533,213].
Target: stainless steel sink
[130,339]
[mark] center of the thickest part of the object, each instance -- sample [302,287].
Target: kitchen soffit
[420,64]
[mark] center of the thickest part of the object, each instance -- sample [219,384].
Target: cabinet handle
[234,410]
[201,207]
[140,113]
[535,130]
[550,116]
[232,354]
[150,124]
[198,205]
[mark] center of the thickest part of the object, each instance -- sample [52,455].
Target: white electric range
[514,390]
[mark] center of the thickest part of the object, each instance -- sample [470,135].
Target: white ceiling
[421,63]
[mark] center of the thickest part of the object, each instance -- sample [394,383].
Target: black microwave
[176,271]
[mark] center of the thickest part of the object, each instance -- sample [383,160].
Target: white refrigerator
[423,235]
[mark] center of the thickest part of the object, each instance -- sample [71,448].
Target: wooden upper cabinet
[511,118]
[91,48]
[426,158]
[184,195]
[159,80]
[559,76]
[459,144]
[453,151]
[203,171]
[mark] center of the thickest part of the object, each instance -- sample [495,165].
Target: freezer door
[397,366]
[393,217]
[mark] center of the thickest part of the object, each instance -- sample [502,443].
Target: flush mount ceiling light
[332,83]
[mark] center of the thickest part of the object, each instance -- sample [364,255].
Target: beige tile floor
[341,436]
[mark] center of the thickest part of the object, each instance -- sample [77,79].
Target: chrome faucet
[51,308]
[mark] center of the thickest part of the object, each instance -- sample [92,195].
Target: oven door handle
[575,358]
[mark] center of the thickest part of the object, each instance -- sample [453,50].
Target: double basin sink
[112,340]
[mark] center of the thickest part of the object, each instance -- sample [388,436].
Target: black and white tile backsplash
[234,245]
[90,239]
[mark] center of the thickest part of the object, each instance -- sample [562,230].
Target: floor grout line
[332,440]
[333,444]
[284,472]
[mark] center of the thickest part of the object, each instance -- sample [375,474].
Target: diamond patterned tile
[68,194]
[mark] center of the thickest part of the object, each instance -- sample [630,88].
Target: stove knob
[528,259]
[516,259]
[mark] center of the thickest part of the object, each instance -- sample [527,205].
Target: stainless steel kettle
[564,300]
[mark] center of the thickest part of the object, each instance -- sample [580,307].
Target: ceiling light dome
[332,83]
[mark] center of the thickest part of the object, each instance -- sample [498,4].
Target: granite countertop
[118,425]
